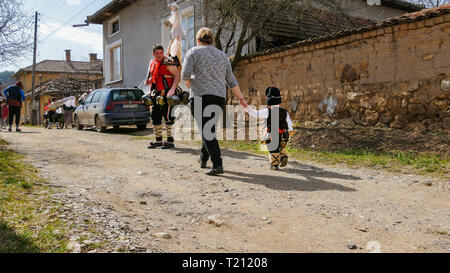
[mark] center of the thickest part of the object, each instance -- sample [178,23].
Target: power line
[68,21]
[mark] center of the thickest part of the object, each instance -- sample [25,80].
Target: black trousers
[210,145]
[14,111]
[52,116]
[159,112]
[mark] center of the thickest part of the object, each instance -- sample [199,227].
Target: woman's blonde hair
[205,35]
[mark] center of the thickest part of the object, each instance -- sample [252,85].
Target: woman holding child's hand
[207,71]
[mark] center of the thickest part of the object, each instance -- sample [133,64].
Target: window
[127,95]
[96,97]
[89,99]
[188,41]
[104,96]
[116,73]
[113,62]
[114,26]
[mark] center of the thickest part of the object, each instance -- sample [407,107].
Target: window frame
[110,26]
[108,64]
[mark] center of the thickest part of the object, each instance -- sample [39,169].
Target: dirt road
[133,193]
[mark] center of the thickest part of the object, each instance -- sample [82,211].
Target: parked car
[112,107]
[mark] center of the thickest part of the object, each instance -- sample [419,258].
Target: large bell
[185,97]
[174,100]
[160,100]
[148,100]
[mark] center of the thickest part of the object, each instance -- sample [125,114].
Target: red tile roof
[73,67]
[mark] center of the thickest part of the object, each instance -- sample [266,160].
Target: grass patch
[28,222]
[397,161]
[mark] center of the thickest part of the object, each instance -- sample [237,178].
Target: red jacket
[4,111]
[160,75]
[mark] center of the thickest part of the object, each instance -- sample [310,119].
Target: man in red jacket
[163,79]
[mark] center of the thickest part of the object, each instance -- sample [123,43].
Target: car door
[83,113]
[91,108]
[96,106]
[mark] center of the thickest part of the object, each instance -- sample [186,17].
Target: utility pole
[33,84]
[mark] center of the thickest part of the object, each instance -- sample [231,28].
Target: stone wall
[396,76]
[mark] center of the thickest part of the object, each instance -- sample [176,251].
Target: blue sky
[55,31]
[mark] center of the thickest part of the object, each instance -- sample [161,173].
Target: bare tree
[15,31]
[432,3]
[67,86]
[238,22]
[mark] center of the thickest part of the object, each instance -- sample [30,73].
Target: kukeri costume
[160,81]
[275,144]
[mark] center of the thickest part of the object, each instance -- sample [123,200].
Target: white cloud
[73,2]
[73,35]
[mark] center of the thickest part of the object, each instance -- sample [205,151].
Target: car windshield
[127,95]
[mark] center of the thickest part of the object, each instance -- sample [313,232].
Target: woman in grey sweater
[207,71]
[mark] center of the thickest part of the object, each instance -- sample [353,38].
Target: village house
[59,78]
[132,27]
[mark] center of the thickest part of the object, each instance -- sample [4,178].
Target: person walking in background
[68,115]
[207,71]
[14,98]
[4,113]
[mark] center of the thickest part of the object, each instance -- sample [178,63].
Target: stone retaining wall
[396,76]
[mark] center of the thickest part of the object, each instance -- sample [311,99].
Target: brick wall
[397,76]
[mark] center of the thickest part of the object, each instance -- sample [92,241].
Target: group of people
[11,104]
[62,113]
[207,72]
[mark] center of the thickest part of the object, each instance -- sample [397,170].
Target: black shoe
[203,163]
[18,130]
[215,171]
[154,145]
[168,146]
[284,161]
[9,130]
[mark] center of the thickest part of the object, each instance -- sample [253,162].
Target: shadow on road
[310,183]
[131,131]
[225,153]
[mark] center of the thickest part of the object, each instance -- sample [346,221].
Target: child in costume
[279,127]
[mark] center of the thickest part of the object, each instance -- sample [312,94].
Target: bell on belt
[173,100]
[160,100]
[148,100]
[185,97]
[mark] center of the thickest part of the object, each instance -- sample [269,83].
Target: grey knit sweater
[209,71]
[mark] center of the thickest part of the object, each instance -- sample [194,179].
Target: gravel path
[118,193]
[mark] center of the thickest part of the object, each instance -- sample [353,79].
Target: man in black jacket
[14,96]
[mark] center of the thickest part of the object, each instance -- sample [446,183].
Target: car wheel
[100,127]
[116,127]
[141,126]
[77,124]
